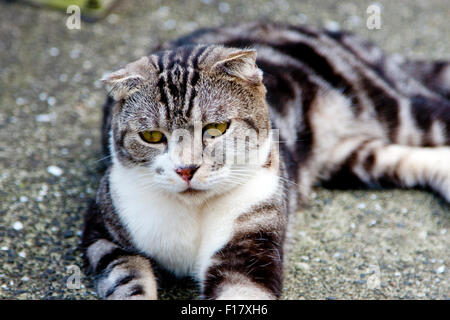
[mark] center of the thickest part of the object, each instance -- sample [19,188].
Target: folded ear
[125,81]
[239,63]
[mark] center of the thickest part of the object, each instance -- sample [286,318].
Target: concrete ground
[345,245]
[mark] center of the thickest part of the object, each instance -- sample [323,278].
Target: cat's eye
[152,136]
[216,129]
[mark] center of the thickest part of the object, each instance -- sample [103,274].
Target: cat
[322,107]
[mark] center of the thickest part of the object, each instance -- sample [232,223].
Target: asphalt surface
[391,244]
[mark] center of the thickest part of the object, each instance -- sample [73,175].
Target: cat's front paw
[126,281]
[440,172]
[245,292]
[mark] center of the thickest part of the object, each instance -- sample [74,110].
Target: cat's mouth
[191,191]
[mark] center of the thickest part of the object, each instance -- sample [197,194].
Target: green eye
[216,129]
[152,136]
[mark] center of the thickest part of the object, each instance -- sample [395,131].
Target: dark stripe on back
[427,110]
[305,137]
[279,85]
[313,59]
[307,54]
[386,106]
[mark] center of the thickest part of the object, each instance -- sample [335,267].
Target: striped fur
[345,112]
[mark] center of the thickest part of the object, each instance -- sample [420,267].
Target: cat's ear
[127,80]
[240,63]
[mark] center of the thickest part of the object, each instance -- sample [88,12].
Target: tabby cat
[306,106]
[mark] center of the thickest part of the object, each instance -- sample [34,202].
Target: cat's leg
[249,267]
[404,166]
[119,274]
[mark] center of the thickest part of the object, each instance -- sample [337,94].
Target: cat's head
[192,121]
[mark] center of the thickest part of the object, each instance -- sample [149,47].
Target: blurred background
[345,245]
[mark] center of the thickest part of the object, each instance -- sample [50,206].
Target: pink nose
[186,172]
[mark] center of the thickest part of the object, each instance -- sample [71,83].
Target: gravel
[390,244]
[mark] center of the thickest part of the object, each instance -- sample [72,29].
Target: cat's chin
[192,191]
[197,196]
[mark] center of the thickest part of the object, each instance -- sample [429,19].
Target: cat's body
[345,112]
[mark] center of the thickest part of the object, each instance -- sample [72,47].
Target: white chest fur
[183,238]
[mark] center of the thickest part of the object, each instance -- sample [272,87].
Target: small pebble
[23,199]
[354,21]
[18,226]
[224,7]
[22,254]
[51,101]
[45,117]
[302,266]
[74,53]
[332,26]
[43,96]
[169,24]
[441,269]
[302,18]
[163,11]
[98,84]
[63,77]
[87,65]
[113,18]
[54,52]
[54,170]
[21,101]
[361,206]
[420,294]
